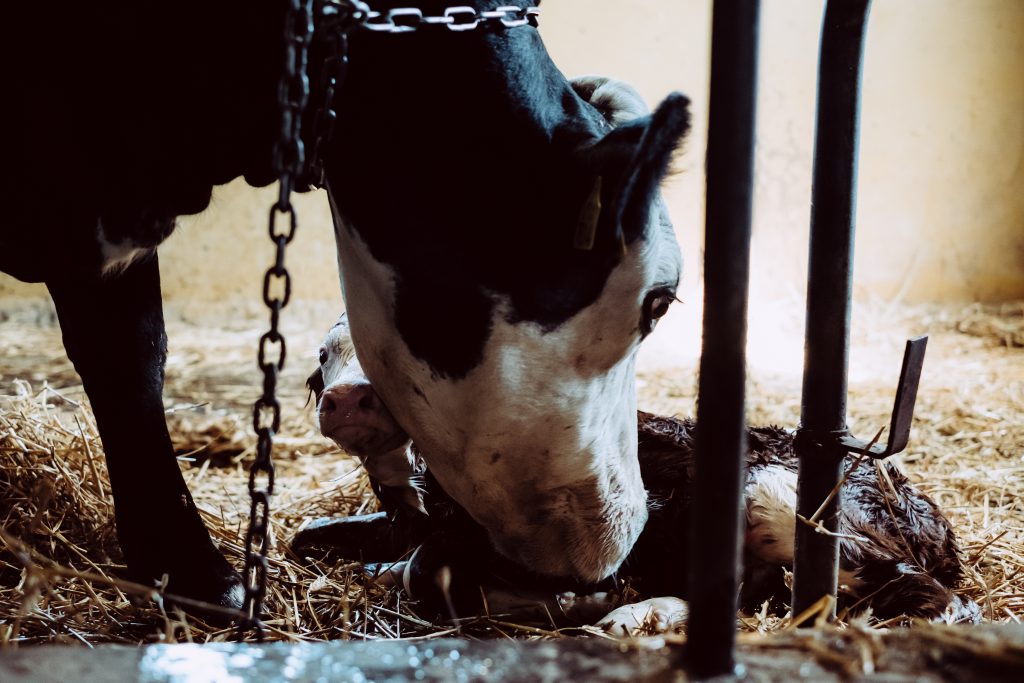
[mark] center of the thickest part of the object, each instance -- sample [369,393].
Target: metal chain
[459,18]
[337,18]
[288,160]
[462,18]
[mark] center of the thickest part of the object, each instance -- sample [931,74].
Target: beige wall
[941,196]
[941,202]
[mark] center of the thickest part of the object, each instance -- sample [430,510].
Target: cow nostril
[368,402]
[327,405]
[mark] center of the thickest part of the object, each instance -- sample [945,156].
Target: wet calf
[898,553]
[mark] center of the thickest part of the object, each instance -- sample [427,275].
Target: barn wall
[941,203]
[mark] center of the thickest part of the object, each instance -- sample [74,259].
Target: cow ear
[629,164]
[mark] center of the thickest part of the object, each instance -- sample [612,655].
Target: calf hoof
[364,538]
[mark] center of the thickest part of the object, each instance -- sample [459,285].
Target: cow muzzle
[584,531]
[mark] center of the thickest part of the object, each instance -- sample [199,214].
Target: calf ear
[632,160]
[315,385]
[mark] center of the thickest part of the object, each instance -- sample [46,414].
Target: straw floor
[59,562]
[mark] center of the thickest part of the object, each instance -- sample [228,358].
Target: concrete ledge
[977,654]
[362,662]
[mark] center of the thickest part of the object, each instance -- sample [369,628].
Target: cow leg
[113,330]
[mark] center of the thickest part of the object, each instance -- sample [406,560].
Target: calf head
[502,258]
[349,412]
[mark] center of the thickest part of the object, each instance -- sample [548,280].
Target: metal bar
[906,394]
[715,523]
[903,407]
[829,289]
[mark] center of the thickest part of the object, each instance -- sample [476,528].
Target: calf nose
[356,419]
[346,401]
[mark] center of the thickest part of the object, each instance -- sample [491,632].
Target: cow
[899,556]
[502,247]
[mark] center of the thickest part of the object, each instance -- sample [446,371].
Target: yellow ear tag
[590,214]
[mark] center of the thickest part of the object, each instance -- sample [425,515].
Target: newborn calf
[349,412]
[898,553]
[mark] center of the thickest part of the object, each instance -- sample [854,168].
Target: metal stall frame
[715,533]
[829,289]
[823,440]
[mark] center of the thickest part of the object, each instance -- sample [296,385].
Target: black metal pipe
[717,499]
[829,290]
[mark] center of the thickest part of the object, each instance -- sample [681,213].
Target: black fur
[478,213]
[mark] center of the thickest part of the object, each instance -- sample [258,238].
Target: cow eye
[656,305]
[323,356]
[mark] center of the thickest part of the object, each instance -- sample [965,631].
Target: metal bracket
[903,408]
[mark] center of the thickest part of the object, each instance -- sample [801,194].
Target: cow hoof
[212,590]
[647,618]
[220,589]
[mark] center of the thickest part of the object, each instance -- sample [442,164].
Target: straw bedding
[60,566]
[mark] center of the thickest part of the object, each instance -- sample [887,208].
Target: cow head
[503,253]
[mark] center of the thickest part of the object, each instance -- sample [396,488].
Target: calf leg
[113,330]
[367,538]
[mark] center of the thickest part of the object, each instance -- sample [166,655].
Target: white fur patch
[771,514]
[771,519]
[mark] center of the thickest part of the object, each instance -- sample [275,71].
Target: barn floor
[59,562]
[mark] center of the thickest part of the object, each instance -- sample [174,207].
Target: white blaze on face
[538,442]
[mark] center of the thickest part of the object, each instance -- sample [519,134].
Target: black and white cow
[898,554]
[502,247]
